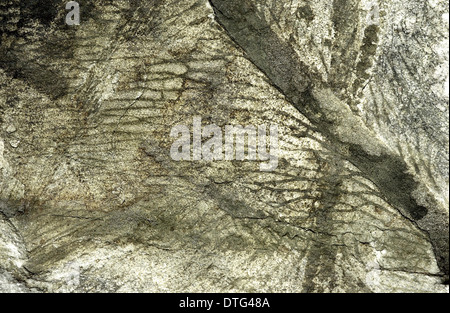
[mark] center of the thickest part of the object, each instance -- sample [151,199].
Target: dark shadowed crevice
[322,254]
[33,63]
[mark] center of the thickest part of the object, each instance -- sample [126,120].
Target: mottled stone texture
[90,199]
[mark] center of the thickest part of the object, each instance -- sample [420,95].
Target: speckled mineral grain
[91,199]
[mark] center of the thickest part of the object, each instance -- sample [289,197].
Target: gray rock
[91,200]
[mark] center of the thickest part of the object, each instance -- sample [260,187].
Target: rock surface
[91,201]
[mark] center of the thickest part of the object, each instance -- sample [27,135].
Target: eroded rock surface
[90,199]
